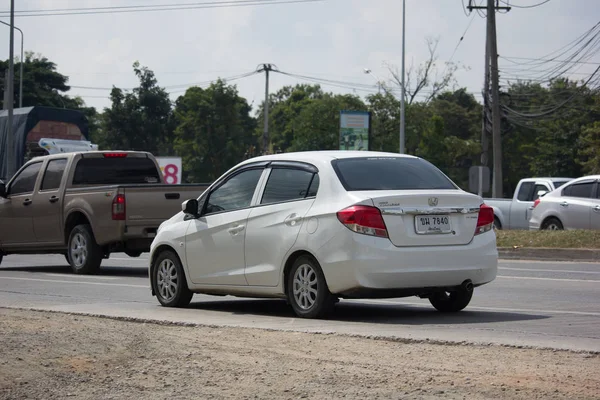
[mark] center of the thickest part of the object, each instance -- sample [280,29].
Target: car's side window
[25,181]
[581,190]
[525,191]
[286,184]
[235,193]
[54,173]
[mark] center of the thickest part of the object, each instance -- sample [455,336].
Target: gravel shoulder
[56,356]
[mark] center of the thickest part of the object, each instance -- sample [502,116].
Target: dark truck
[87,205]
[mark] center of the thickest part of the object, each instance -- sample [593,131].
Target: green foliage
[214,130]
[590,153]
[140,120]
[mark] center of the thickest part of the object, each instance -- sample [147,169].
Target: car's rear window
[115,171]
[389,173]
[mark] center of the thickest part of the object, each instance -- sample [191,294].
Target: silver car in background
[575,205]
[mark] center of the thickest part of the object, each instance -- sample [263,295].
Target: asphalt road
[540,304]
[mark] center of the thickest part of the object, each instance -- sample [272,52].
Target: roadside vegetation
[577,239]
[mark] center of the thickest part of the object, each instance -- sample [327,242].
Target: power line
[230,4]
[509,59]
[531,6]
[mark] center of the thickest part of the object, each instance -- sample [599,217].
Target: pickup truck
[515,213]
[86,205]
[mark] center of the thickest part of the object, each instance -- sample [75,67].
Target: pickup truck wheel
[451,301]
[84,254]
[168,281]
[552,224]
[133,254]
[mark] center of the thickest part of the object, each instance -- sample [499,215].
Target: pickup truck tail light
[536,202]
[485,220]
[363,219]
[118,207]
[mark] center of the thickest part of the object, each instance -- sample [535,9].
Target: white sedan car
[314,227]
[575,205]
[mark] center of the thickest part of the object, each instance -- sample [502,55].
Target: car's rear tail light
[536,202]
[363,219]
[118,207]
[485,220]
[114,155]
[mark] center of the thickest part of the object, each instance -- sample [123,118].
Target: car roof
[324,155]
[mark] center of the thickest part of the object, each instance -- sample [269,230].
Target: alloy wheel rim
[79,250]
[167,280]
[305,287]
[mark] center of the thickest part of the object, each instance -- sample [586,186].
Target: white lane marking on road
[75,277]
[516,261]
[518,310]
[77,282]
[548,279]
[549,270]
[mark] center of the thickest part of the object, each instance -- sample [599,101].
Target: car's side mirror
[190,207]
[2,189]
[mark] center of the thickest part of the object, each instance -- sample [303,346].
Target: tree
[214,130]
[42,84]
[317,126]
[139,120]
[590,153]
[424,79]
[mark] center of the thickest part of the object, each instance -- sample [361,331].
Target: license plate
[432,224]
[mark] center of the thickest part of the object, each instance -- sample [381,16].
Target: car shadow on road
[391,314]
[133,272]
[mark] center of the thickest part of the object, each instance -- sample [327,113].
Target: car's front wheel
[451,301]
[307,289]
[168,281]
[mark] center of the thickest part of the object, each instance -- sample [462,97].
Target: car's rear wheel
[307,289]
[84,254]
[168,281]
[552,224]
[451,301]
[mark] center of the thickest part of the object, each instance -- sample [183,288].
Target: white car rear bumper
[365,266]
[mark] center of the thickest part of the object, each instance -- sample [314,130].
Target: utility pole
[266,68]
[403,94]
[10,155]
[492,73]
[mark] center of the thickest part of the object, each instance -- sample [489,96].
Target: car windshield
[390,173]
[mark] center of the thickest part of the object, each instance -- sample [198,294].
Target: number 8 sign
[171,169]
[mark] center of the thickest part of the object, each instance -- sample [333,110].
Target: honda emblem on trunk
[433,201]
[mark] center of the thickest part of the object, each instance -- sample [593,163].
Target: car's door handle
[292,219]
[530,208]
[27,202]
[236,229]
[53,199]
[564,204]
[597,208]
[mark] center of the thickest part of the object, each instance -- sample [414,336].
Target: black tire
[133,254]
[552,224]
[167,272]
[497,224]
[84,254]
[311,302]
[449,302]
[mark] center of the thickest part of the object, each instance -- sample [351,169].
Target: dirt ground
[59,356]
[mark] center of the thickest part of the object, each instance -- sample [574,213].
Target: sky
[329,39]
